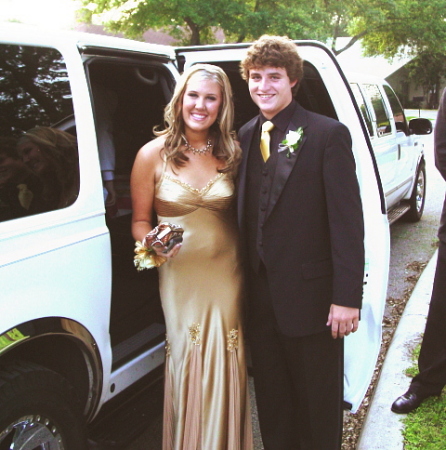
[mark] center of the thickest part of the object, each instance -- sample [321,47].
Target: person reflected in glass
[52,155]
[18,186]
[186,176]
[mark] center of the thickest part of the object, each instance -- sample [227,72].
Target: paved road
[415,242]
[409,243]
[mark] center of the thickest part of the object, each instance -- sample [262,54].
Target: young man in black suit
[301,218]
[432,360]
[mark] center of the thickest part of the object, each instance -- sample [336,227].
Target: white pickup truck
[79,326]
[398,151]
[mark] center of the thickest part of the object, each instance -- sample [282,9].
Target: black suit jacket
[440,156]
[312,233]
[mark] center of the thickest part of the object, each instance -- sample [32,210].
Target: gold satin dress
[206,400]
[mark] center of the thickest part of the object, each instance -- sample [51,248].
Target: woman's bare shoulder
[149,160]
[152,151]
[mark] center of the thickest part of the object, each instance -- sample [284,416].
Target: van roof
[26,34]
[364,78]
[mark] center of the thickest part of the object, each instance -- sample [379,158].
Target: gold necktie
[265,139]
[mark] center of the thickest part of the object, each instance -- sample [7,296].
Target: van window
[363,107]
[39,169]
[397,110]
[381,114]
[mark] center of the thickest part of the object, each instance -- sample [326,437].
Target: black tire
[39,406]
[418,197]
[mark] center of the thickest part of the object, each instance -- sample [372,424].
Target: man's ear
[293,83]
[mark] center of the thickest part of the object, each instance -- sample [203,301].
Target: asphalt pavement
[382,429]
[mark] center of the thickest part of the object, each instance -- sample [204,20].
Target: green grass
[425,428]
[413,369]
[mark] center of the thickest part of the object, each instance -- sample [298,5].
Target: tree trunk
[194,30]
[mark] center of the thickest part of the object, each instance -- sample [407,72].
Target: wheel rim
[31,433]
[419,200]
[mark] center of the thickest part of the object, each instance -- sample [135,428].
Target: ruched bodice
[176,198]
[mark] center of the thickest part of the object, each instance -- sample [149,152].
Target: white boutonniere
[292,141]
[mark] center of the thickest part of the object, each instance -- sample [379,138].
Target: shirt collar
[282,119]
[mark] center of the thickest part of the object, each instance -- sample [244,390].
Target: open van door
[325,90]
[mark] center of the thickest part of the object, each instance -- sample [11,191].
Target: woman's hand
[162,250]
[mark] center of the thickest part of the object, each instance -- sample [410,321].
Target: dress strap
[158,184]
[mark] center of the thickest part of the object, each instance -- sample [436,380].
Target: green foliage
[191,21]
[425,428]
[389,25]
[194,21]
[297,20]
[426,70]
[386,27]
[413,369]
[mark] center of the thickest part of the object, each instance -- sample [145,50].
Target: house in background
[394,72]
[150,36]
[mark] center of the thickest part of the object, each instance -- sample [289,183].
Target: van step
[396,212]
[153,334]
[141,410]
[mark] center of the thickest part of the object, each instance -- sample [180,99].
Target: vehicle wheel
[38,410]
[418,196]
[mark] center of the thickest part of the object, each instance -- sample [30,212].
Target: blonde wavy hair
[225,147]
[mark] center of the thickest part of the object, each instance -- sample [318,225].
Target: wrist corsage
[146,258]
[163,237]
[292,141]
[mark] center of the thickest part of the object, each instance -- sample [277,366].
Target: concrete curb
[382,428]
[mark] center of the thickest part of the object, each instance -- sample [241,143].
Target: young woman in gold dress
[186,175]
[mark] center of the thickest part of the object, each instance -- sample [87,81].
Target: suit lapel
[245,144]
[284,164]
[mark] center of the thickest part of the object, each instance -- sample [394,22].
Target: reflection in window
[39,168]
[397,109]
[362,106]
[18,185]
[382,117]
[51,154]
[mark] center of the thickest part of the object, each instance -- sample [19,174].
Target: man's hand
[343,320]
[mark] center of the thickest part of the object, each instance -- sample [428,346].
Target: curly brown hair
[274,51]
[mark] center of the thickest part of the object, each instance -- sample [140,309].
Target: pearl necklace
[199,151]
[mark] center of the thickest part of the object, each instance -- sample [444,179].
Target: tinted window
[397,110]
[38,160]
[381,115]
[363,108]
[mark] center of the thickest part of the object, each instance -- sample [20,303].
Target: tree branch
[350,43]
